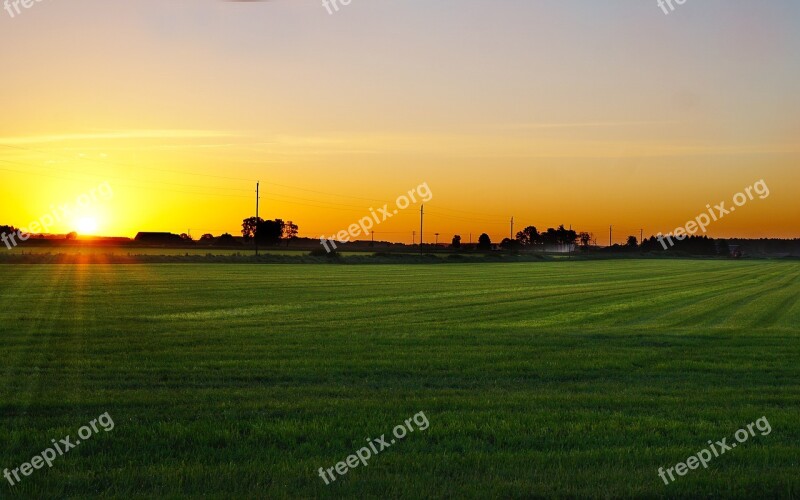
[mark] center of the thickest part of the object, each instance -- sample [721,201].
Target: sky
[569,112]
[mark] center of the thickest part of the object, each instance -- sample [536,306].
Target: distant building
[158,239]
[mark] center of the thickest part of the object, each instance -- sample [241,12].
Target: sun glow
[86,225]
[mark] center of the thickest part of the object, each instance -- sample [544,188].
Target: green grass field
[569,379]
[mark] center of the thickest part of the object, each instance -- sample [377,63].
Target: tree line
[530,238]
[268,232]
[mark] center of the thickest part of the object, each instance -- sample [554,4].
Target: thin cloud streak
[116,135]
[531,126]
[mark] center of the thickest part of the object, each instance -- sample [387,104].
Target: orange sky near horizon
[554,113]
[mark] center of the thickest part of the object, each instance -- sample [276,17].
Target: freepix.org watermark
[103,192]
[376,446]
[13,6]
[664,3]
[335,4]
[365,225]
[58,449]
[702,221]
[704,456]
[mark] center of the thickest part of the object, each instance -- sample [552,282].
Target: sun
[86,225]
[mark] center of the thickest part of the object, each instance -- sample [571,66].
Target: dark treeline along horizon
[274,232]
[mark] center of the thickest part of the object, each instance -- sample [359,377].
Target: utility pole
[437,239]
[421,217]
[512,227]
[641,236]
[609,236]
[255,235]
[413,237]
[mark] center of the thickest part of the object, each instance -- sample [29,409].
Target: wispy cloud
[533,126]
[115,136]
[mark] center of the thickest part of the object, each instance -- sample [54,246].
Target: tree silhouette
[457,241]
[509,244]
[250,226]
[566,236]
[550,237]
[528,236]
[290,230]
[585,240]
[484,242]
[723,248]
[270,232]
[226,240]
